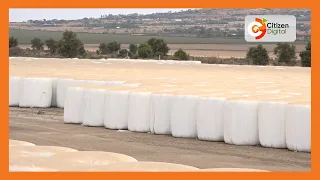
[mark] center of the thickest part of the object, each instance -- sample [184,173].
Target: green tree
[144,51]
[113,46]
[52,45]
[133,48]
[13,42]
[70,46]
[37,44]
[103,48]
[123,53]
[181,55]
[158,46]
[286,53]
[306,56]
[258,55]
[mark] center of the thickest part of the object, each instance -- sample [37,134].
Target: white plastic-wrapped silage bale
[183,116]
[271,121]
[73,105]
[14,91]
[35,92]
[116,107]
[139,111]
[160,113]
[298,126]
[92,106]
[209,117]
[240,116]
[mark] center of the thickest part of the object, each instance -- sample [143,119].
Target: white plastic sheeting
[19,143]
[76,161]
[14,91]
[139,111]
[183,116]
[298,127]
[272,124]
[36,151]
[241,122]
[93,107]
[116,109]
[209,117]
[73,105]
[35,92]
[160,113]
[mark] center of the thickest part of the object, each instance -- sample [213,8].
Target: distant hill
[200,23]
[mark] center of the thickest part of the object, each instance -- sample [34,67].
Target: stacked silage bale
[116,107]
[73,105]
[298,126]
[183,115]
[240,117]
[209,116]
[160,116]
[35,92]
[139,110]
[92,106]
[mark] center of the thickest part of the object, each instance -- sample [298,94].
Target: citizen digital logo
[270,28]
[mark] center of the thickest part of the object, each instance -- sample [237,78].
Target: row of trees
[285,53]
[70,46]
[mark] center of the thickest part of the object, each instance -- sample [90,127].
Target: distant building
[49,24]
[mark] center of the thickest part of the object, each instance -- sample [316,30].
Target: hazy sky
[24,14]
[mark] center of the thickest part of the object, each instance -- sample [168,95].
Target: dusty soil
[46,127]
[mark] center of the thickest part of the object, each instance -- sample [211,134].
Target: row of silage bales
[29,91]
[183,81]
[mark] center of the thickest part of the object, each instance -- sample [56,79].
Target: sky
[25,14]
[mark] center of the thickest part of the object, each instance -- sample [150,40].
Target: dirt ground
[47,128]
